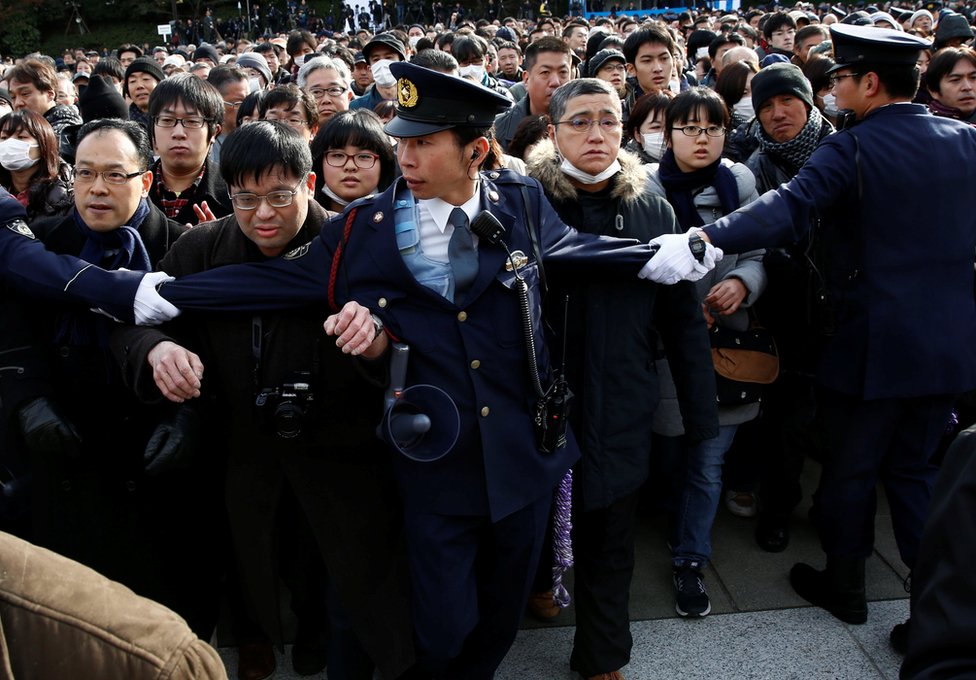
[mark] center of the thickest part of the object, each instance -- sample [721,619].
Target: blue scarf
[116,249]
[119,248]
[681,188]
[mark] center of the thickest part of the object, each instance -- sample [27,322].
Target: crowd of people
[558,236]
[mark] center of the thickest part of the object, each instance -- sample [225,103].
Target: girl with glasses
[352,157]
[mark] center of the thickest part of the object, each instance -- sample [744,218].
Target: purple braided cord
[562,542]
[953,421]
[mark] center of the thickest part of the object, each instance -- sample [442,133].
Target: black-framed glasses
[697,130]
[334,91]
[833,80]
[583,124]
[362,159]
[188,123]
[276,199]
[88,176]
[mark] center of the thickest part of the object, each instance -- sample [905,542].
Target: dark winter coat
[338,470]
[614,330]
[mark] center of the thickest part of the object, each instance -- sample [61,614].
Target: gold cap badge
[407,94]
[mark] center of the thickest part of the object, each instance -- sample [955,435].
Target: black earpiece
[475,154]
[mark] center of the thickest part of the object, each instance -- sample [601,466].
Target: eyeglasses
[581,124]
[613,68]
[363,159]
[87,176]
[191,123]
[233,105]
[290,121]
[276,199]
[696,131]
[335,91]
[833,80]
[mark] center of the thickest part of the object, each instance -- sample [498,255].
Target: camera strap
[257,338]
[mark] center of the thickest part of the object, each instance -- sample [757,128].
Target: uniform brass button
[381,302]
[493,175]
[475,364]
[493,195]
[462,316]
[485,411]
[378,217]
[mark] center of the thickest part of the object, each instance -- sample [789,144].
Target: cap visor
[401,127]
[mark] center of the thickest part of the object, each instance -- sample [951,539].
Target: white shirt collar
[440,210]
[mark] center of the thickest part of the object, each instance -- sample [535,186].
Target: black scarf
[681,188]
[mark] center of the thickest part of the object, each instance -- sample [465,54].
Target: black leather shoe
[839,588]
[255,661]
[310,652]
[772,534]
[899,637]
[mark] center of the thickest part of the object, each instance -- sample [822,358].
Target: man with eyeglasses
[186,113]
[899,294]
[87,438]
[292,106]
[316,502]
[598,188]
[232,84]
[327,81]
[610,66]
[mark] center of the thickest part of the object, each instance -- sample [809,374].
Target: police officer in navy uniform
[899,274]
[475,518]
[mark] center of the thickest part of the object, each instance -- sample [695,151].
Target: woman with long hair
[30,167]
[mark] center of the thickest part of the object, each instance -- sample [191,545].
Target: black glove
[174,442]
[45,430]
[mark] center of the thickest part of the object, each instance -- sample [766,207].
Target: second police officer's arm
[29,267]
[778,217]
[301,278]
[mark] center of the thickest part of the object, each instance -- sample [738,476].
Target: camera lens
[288,420]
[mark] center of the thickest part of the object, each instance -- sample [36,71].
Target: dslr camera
[283,409]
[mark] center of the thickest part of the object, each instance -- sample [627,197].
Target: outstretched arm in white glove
[675,261]
[149,307]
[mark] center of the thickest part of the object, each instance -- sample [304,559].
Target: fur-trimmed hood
[543,165]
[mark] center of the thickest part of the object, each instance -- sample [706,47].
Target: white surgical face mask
[15,154]
[654,144]
[382,74]
[830,102]
[744,108]
[300,60]
[475,72]
[675,86]
[254,84]
[413,40]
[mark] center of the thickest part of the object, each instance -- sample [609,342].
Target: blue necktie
[462,254]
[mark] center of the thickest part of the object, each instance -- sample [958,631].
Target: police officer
[475,518]
[900,282]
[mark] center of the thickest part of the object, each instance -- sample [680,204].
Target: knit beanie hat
[257,62]
[101,100]
[206,51]
[780,79]
[920,13]
[142,65]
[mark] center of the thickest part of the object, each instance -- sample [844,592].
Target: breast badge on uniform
[20,227]
[300,251]
[516,261]
[407,94]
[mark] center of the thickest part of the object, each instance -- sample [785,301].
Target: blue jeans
[700,494]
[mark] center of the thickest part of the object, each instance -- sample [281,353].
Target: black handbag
[745,362]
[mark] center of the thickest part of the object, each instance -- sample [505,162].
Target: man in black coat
[309,487]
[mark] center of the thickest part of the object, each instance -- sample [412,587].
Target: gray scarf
[794,153]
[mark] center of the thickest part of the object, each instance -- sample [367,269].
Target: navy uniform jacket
[27,265]
[475,352]
[895,192]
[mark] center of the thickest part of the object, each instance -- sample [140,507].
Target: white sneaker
[741,503]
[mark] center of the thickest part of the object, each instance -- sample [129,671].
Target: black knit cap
[206,51]
[101,100]
[142,65]
[780,79]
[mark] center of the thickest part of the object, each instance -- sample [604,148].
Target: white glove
[149,307]
[675,262]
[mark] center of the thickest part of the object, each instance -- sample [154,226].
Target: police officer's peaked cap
[429,101]
[856,45]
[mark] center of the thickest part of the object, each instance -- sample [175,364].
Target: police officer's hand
[149,307]
[174,442]
[674,261]
[176,370]
[45,430]
[356,330]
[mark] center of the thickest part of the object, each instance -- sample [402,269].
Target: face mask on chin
[584,177]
